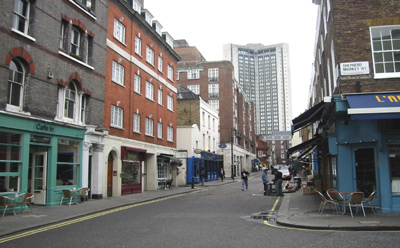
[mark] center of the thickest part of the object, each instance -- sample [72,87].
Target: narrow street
[218,216]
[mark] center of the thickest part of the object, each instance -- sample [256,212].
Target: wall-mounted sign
[181,154]
[354,68]
[197,151]
[222,146]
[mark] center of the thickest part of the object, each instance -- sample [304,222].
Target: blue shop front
[364,147]
[210,162]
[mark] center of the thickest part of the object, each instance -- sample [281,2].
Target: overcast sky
[209,24]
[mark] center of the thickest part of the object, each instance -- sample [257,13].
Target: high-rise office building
[264,74]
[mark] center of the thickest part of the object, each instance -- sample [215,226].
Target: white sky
[209,24]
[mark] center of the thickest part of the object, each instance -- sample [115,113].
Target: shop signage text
[44,127]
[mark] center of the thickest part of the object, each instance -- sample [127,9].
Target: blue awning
[374,106]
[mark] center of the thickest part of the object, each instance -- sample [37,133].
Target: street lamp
[232,141]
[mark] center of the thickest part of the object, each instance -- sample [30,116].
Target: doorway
[365,170]
[110,175]
[37,177]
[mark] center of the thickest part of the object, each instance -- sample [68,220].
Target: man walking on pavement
[278,182]
[244,174]
[265,180]
[222,174]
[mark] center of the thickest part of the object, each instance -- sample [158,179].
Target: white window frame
[119,31]
[150,55]
[136,6]
[117,117]
[149,128]
[170,134]
[16,68]
[384,54]
[213,73]
[193,74]
[214,89]
[137,84]
[170,103]
[149,91]
[136,123]
[18,15]
[159,130]
[195,88]
[214,104]
[160,96]
[160,63]
[138,45]
[75,41]
[170,73]
[118,72]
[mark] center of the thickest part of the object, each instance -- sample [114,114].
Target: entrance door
[38,177]
[110,175]
[365,170]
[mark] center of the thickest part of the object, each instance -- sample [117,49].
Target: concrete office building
[264,74]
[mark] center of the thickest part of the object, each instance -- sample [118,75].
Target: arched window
[72,107]
[16,85]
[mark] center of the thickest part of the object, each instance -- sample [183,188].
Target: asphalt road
[219,216]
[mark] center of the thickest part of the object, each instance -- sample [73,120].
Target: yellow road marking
[88,217]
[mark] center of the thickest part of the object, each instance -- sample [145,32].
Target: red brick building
[140,105]
[214,81]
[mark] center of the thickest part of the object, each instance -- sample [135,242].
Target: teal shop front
[39,157]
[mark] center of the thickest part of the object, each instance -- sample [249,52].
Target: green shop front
[39,157]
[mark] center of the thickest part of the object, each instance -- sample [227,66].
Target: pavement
[296,210]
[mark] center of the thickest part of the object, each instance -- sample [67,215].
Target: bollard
[192,182]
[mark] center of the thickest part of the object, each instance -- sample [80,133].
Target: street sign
[222,146]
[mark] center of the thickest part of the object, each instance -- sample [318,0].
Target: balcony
[213,79]
[213,95]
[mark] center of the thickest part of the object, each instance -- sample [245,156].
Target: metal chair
[84,194]
[26,201]
[369,201]
[5,204]
[325,201]
[356,199]
[335,196]
[169,183]
[67,195]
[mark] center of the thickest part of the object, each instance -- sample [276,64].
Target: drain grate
[268,215]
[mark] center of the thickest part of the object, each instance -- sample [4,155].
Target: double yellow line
[88,217]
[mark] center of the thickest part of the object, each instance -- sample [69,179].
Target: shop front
[132,169]
[39,157]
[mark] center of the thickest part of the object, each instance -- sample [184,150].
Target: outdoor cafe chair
[26,201]
[355,200]
[67,195]
[84,194]
[369,201]
[325,201]
[5,204]
[335,196]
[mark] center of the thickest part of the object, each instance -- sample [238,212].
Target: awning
[308,117]
[307,144]
[374,106]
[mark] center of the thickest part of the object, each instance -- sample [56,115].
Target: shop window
[10,161]
[68,162]
[394,162]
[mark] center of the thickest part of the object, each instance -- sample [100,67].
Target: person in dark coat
[278,182]
[222,174]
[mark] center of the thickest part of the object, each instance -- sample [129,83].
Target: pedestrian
[202,176]
[278,182]
[244,174]
[222,174]
[265,180]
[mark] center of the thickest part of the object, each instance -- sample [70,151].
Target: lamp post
[232,139]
